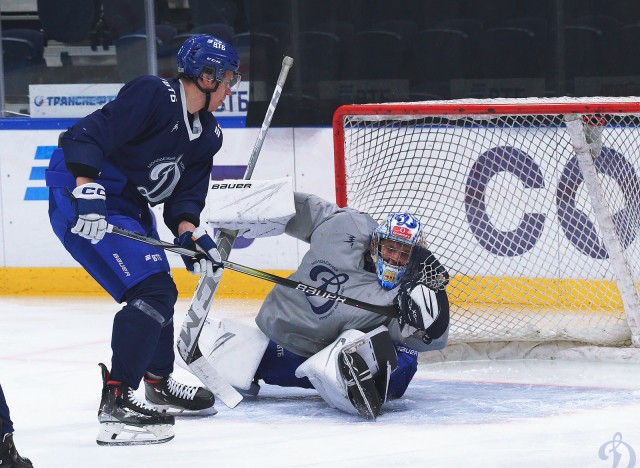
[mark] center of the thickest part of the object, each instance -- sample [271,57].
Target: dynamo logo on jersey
[330,283]
[166,175]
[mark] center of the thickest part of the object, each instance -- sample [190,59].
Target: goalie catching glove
[208,262]
[422,311]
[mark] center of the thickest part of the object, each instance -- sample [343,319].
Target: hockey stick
[187,342]
[388,311]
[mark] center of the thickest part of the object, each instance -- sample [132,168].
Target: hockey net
[533,206]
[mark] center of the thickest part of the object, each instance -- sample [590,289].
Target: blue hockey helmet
[391,246]
[203,53]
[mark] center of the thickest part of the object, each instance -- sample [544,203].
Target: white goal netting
[532,205]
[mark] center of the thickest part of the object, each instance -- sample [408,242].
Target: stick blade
[212,379]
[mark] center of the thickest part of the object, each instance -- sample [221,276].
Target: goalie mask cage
[533,205]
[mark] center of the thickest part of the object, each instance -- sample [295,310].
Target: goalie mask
[391,245]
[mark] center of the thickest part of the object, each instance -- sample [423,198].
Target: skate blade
[124,434]
[168,409]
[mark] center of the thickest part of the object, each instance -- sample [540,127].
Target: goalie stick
[187,342]
[388,311]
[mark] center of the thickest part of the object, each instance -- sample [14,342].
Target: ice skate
[126,421]
[9,456]
[167,395]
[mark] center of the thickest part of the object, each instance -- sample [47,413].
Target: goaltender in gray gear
[338,237]
[349,355]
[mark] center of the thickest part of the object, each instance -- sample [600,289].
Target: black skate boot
[169,396]
[9,456]
[126,421]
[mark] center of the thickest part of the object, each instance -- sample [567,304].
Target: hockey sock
[152,378]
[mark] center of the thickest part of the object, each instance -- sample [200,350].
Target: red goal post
[532,204]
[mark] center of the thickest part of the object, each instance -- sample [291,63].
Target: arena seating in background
[431,64]
[320,57]
[164,35]
[69,20]
[204,12]
[258,51]
[605,23]
[584,46]
[23,59]
[131,53]
[511,52]
[343,29]
[433,52]
[538,26]
[473,28]
[278,29]
[131,56]
[123,16]
[406,29]
[377,55]
[626,53]
[423,43]
[596,56]
[220,30]
[128,16]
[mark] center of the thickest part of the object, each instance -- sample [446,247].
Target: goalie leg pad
[361,388]
[352,373]
[234,348]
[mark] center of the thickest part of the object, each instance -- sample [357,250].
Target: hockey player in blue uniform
[153,144]
[9,456]
[354,358]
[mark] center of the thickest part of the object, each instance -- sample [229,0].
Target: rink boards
[32,261]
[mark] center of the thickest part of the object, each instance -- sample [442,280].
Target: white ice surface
[466,414]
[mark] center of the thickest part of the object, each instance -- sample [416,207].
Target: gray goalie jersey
[339,239]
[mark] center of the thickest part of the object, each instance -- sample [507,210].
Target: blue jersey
[144,148]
